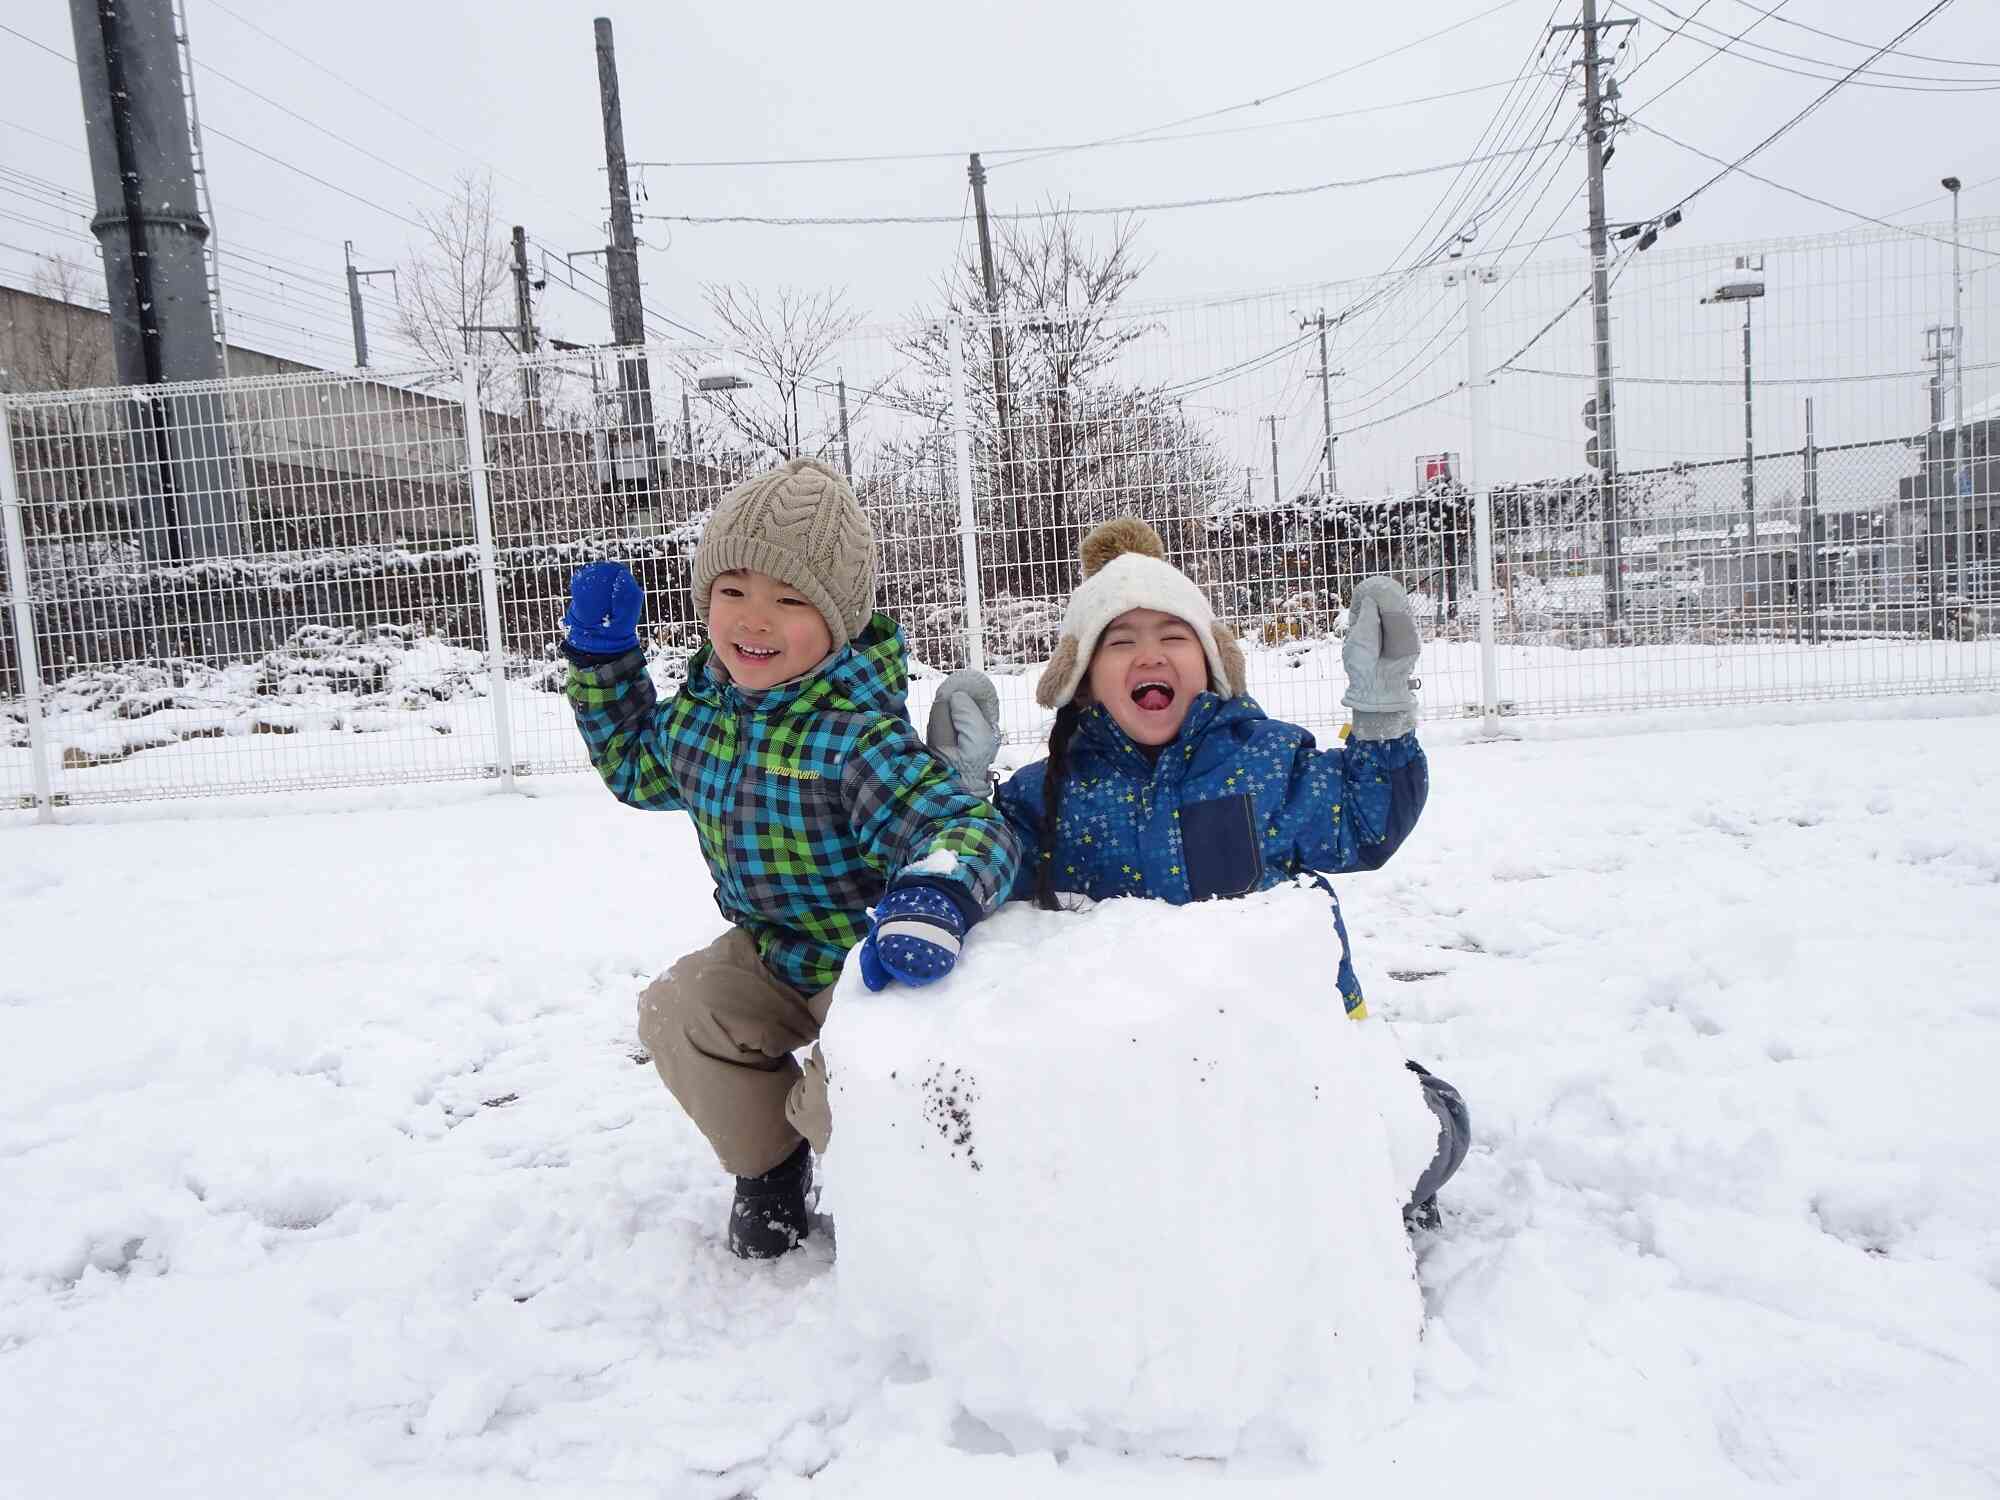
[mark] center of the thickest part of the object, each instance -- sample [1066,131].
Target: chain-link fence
[345,579]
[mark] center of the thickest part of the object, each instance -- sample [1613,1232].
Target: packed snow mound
[1123,1178]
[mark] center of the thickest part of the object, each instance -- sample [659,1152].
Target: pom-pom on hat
[1125,567]
[799,523]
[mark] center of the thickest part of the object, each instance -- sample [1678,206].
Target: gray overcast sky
[511,86]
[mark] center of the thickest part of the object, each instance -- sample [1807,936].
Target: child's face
[765,631]
[1146,671]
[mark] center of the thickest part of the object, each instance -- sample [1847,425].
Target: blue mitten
[914,937]
[603,614]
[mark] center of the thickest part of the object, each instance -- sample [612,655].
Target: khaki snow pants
[721,1029]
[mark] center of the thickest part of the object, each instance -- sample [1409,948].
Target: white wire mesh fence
[347,579]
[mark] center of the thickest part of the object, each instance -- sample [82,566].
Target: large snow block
[1130,1175]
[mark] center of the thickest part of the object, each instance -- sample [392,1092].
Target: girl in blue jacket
[1165,779]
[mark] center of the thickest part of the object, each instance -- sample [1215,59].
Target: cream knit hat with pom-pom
[1125,567]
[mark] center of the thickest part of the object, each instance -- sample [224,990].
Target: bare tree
[1060,440]
[788,343]
[65,346]
[457,278]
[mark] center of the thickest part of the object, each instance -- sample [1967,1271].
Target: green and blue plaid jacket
[808,798]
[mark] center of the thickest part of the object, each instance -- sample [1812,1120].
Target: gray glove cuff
[1374,726]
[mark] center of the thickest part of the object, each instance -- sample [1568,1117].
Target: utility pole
[1275,499]
[633,457]
[354,310]
[977,174]
[846,455]
[1318,320]
[687,426]
[524,331]
[1749,450]
[151,233]
[1596,135]
[1809,535]
[1961,441]
[1938,351]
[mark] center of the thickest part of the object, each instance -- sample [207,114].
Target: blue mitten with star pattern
[914,937]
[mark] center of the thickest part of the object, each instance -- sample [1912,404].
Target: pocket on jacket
[1219,839]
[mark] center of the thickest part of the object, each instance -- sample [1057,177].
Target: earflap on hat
[1125,568]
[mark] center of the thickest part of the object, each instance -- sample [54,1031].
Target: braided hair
[1055,770]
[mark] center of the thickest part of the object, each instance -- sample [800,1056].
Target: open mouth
[758,654]
[1153,697]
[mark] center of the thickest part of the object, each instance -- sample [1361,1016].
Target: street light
[1745,289]
[1960,443]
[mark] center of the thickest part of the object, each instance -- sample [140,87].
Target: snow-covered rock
[1125,1177]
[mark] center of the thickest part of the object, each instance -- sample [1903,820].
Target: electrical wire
[43,46]
[1743,51]
[1498,128]
[1015,216]
[1952,62]
[1284,93]
[238,141]
[1706,59]
[331,134]
[1852,213]
[994,158]
[1661,46]
[1930,82]
[1935,10]
[380,208]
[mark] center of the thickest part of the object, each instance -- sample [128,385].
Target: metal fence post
[489,575]
[1477,379]
[25,656]
[968,514]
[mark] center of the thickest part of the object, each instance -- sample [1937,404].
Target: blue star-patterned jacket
[1238,802]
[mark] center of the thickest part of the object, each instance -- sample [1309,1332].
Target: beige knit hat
[1125,567]
[798,523]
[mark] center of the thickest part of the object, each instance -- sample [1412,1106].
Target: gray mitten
[964,725]
[1380,654]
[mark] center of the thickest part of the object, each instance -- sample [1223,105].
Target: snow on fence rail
[351,578]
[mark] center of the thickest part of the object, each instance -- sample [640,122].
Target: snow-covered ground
[328,1169]
[370,707]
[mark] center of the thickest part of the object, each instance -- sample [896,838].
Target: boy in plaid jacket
[813,798]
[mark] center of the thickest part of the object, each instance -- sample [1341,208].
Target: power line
[1896,213]
[38,135]
[235,140]
[849,221]
[1913,83]
[1499,127]
[1708,58]
[1661,46]
[43,46]
[326,131]
[1852,213]
[1953,62]
[379,103]
[1048,150]
[1284,93]
[315,177]
[1909,30]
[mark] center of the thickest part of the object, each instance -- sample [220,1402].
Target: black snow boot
[769,1214]
[1454,1137]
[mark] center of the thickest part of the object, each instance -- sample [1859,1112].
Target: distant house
[322,456]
